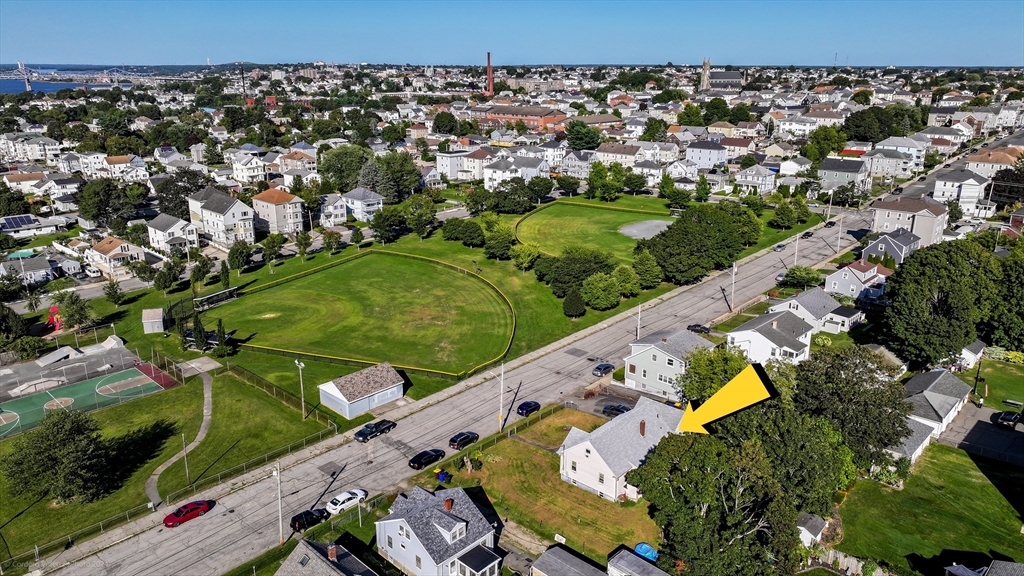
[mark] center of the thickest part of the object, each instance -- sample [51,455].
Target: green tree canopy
[175,190]
[576,264]
[601,291]
[102,200]
[581,136]
[342,165]
[12,202]
[690,116]
[703,238]
[647,270]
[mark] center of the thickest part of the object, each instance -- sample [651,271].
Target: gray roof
[780,328]
[34,264]
[647,164]
[310,559]
[960,176]
[368,381]
[934,394]
[425,513]
[164,222]
[899,236]
[887,153]
[528,162]
[363,195]
[706,145]
[811,522]
[619,442]
[219,203]
[675,343]
[557,561]
[629,563]
[1004,568]
[815,301]
[919,434]
[501,165]
[840,165]
[976,347]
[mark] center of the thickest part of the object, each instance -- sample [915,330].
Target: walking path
[151,490]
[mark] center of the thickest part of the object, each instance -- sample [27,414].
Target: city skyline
[570,33]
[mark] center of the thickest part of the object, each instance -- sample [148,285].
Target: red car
[186,513]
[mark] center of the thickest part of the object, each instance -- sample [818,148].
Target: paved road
[244,523]
[87,292]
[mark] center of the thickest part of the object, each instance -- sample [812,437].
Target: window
[600,478]
[654,357]
[419,563]
[573,465]
[587,452]
[451,567]
[845,275]
[303,560]
[632,368]
[391,543]
[834,284]
[643,373]
[670,362]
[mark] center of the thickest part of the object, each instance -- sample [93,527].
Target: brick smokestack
[448,503]
[490,76]
[332,552]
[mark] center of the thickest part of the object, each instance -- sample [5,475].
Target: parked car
[92,272]
[374,429]
[80,275]
[462,439]
[897,190]
[830,224]
[780,247]
[947,165]
[813,205]
[527,408]
[1008,419]
[603,368]
[780,276]
[187,512]
[345,500]
[613,410]
[425,458]
[698,329]
[307,519]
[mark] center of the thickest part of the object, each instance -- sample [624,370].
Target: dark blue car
[527,408]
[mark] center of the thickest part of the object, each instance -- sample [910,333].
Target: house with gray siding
[925,217]
[860,280]
[899,244]
[821,311]
[835,172]
[362,391]
[655,361]
[936,397]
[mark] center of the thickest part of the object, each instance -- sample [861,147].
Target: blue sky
[809,32]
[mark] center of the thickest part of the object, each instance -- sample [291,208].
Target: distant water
[18,86]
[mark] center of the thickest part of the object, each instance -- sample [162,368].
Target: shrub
[619,374]
[573,306]
[601,291]
[995,352]
[869,567]
[1015,357]
[823,341]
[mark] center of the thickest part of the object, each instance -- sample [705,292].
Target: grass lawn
[551,431]
[46,239]
[561,225]
[734,322]
[638,202]
[149,432]
[378,308]
[846,257]
[759,308]
[950,503]
[233,440]
[523,484]
[1005,382]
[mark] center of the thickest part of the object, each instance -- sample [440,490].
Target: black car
[614,410]
[527,408]
[374,429]
[806,235]
[602,369]
[830,224]
[307,519]
[1009,419]
[897,190]
[462,439]
[425,458]
[698,329]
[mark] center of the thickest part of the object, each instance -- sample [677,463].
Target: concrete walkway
[151,490]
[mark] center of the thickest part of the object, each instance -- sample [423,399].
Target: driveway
[974,430]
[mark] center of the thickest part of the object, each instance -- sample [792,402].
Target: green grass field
[1005,382]
[950,503]
[148,428]
[232,440]
[561,225]
[378,308]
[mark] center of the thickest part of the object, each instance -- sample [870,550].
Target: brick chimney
[664,339]
[332,552]
[448,503]
[643,428]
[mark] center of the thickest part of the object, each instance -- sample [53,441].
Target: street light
[302,389]
[276,473]
[501,397]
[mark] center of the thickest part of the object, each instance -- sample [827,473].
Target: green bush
[619,374]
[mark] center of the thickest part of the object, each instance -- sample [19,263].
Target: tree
[634,182]
[402,170]
[601,291]
[499,242]
[648,272]
[513,197]
[1006,325]
[628,281]
[272,246]
[568,185]
[173,192]
[739,113]
[102,200]
[748,225]
[74,311]
[540,188]
[938,297]
[801,277]
[858,392]
[822,141]
[524,255]
[387,224]
[800,210]
[784,217]
[573,306]
[200,270]
[331,240]
[343,164]
[703,238]
[65,458]
[451,230]
[356,238]
[373,177]
[198,331]
[113,293]
[748,161]
[862,97]
[955,212]
[703,189]
[596,179]
[303,241]
[163,281]
[239,256]
[445,123]
[13,202]
[581,136]
[690,116]
[225,276]
[576,264]
[34,300]
[655,130]
[471,234]
[715,110]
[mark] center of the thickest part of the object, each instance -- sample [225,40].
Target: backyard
[1005,381]
[953,508]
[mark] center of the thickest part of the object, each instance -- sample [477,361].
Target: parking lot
[974,430]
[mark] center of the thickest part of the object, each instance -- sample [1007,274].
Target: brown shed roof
[367,381]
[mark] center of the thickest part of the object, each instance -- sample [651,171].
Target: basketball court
[25,412]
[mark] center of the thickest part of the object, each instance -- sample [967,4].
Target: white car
[92,272]
[345,500]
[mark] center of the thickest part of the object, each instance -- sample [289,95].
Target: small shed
[362,391]
[810,526]
[152,320]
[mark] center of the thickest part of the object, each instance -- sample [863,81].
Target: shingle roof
[1004,568]
[811,522]
[613,148]
[915,205]
[840,165]
[367,381]
[960,176]
[919,434]
[317,564]
[619,442]
[163,222]
[275,196]
[934,394]
[363,195]
[976,347]
[676,343]
[816,301]
[219,203]
[424,512]
[629,563]
[557,561]
[780,328]
[706,145]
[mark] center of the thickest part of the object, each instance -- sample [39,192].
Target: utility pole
[796,250]
[839,237]
[184,448]
[732,298]
[501,398]
[639,308]
[302,389]
[280,510]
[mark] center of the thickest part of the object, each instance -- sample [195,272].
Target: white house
[333,211]
[794,166]
[777,335]
[167,232]
[248,168]
[221,218]
[821,311]
[35,270]
[756,180]
[936,397]
[443,533]
[656,360]
[624,154]
[914,148]
[651,171]
[971,354]
[967,189]
[682,169]
[127,168]
[598,461]
[883,162]
[277,211]
[362,204]
[859,280]
[706,154]
[362,391]
[112,255]
[810,527]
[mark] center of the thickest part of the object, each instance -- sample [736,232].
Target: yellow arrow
[749,387]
